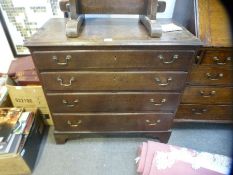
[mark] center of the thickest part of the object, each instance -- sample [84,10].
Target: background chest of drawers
[208,95]
[129,86]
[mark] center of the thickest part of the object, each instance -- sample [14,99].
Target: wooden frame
[147,10]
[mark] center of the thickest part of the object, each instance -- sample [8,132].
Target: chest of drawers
[114,80]
[208,96]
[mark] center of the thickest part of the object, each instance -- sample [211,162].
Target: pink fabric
[151,148]
[162,159]
[141,163]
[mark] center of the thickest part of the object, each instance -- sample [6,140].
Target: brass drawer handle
[65,84]
[175,57]
[207,95]
[74,124]
[214,76]
[68,57]
[163,83]
[151,123]
[217,60]
[162,101]
[70,105]
[198,111]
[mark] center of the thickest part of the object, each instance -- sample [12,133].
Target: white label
[18,87]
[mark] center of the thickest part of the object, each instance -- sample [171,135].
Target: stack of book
[15,125]
[22,71]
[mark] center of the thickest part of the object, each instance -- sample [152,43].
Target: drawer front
[86,59]
[207,95]
[112,102]
[205,112]
[203,75]
[221,58]
[102,81]
[113,122]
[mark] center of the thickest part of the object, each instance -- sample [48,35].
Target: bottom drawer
[205,112]
[113,122]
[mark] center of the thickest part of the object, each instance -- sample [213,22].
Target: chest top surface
[107,32]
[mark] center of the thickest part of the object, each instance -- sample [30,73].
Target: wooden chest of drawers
[110,82]
[208,96]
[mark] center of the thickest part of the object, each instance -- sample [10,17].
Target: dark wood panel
[207,75]
[62,137]
[113,122]
[108,81]
[114,7]
[205,112]
[112,102]
[112,59]
[217,57]
[207,95]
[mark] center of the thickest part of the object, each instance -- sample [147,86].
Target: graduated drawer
[204,75]
[205,112]
[112,59]
[113,122]
[112,102]
[102,81]
[207,95]
[218,57]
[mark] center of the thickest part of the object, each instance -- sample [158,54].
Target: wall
[170,4]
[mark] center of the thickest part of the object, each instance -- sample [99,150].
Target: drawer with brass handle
[111,102]
[70,104]
[165,83]
[113,121]
[203,75]
[217,57]
[207,95]
[74,124]
[113,59]
[205,112]
[66,61]
[119,81]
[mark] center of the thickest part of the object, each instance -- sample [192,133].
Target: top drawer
[113,59]
[217,57]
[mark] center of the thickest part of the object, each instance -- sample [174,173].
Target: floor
[116,156]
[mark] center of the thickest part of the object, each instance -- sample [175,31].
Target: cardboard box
[23,163]
[29,97]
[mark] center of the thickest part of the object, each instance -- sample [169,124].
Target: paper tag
[170,27]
